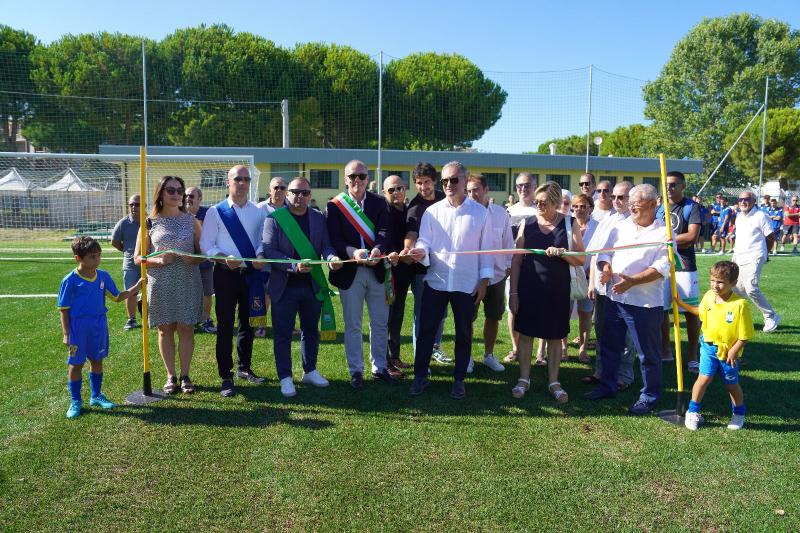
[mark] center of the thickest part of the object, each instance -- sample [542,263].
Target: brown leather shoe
[397,363]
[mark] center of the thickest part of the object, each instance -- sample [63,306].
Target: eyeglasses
[618,196]
[300,192]
[399,188]
[585,183]
[358,176]
[602,191]
[279,188]
[523,185]
[452,181]
[541,202]
[240,179]
[174,190]
[134,204]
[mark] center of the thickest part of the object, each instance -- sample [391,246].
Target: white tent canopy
[70,182]
[13,181]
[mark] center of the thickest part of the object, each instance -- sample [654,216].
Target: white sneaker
[315,378]
[494,364]
[693,421]
[471,366]
[720,253]
[737,422]
[287,387]
[771,324]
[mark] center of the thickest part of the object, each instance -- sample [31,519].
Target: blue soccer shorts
[88,339]
[711,365]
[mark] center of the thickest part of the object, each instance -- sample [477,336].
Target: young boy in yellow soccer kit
[81,301]
[727,325]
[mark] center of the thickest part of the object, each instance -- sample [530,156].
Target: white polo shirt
[752,229]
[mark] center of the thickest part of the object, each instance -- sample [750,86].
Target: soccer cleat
[737,422]
[471,366]
[771,324]
[493,363]
[101,401]
[440,357]
[693,421]
[74,410]
[130,324]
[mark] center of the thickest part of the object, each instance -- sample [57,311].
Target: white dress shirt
[445,228]
[598,241]
[601,214]
[519,212]
[215,239]
[751,231]
[502,238]
[267,206]
[636,260]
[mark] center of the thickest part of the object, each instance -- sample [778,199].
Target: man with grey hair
[754,238]
[454,224]
[635,299]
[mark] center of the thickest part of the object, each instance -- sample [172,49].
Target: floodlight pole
[285,122]
[379,175]
[589,118]
[763,139]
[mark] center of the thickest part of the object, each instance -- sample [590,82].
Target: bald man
[123,238]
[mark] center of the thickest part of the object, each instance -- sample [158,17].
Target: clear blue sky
[633,38]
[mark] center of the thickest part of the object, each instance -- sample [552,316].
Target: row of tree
[707,92]
[212,86]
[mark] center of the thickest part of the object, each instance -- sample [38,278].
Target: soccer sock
[75,389]
[96,382]
[738,409]
[694,407]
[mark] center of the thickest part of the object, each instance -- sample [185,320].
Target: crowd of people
[378,247]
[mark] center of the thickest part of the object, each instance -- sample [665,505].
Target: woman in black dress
[539,295]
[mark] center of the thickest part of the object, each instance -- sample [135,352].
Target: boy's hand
[731,357]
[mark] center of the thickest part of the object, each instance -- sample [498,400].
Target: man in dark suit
[358,225]
[297,232]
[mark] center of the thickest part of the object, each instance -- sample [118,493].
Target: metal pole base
[675,416]
[140,398]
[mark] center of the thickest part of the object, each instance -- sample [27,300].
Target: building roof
[389,158]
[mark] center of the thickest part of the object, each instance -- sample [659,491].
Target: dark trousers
[294,301]
[434,306]
[644,326]
[402,281]
[231,291]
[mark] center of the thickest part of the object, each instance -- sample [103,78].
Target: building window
[629,179]
[561,179]
[324,179]
[655,182]
[211,178]
[496,181]
[611,179]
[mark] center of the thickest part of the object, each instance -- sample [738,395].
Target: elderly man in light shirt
[455,224]
[754,239]
[635,298]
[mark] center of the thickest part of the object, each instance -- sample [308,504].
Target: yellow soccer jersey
[727,322]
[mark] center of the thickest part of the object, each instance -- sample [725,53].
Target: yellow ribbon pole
[147,386]
[676,322]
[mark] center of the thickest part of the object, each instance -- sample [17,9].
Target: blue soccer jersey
[86,297]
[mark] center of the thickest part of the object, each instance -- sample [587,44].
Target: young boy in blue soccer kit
[727,326]
[81,301]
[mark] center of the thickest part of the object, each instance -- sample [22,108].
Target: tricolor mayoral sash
[283,217]
[366,228]
[255,279]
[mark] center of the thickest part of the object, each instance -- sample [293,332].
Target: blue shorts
[130,277]
[710,365]
[88,339]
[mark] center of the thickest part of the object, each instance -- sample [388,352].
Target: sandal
[559,394]
[540,362]
[521,388]
[575,342]
[511,357]
[187,387]
[171,386]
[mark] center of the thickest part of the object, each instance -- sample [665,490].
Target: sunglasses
[523,185]
[174,190]
[240,179]
[392,190]
[585,183]
[133,205]
[300,192]
[279,188]
[602,191]
[358,176]
[745,200]
[673,185]
[192,196]
[452,181]
[619,196]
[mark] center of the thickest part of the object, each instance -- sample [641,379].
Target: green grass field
[334,459]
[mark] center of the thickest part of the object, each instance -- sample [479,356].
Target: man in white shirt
[232,278]
[494,302]
[526,183]
[455,224]
[635,299]
[754,237]
[603,205]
